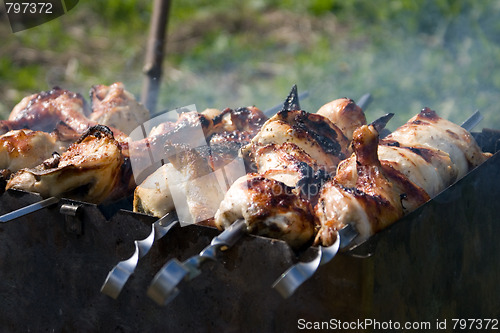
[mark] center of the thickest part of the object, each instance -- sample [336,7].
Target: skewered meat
[153,195]
[294,153]
[284,162]
[92,169]
[269,208]
[373,197]
[115,107]
[47,110]
[428,130]
[379,184]
[344,113]
[43,111]
[313,133]
[225,132]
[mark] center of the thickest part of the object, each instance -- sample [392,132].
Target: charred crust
[428,114]
[391,143]
[52,162]
[315,126]
[99,131]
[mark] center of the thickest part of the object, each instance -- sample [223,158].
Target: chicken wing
[92,169]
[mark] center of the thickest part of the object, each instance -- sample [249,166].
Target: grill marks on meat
[314,134]
[90,170]
[381,183]
[270,208]
[382,194]
[428,130]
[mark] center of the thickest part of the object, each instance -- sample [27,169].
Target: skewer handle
[299,273]
[119,275]
[164,288]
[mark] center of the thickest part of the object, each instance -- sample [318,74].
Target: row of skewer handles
[452,156]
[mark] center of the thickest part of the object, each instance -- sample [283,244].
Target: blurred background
[407,53]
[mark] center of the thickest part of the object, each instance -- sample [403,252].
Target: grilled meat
[199,172]
[381,183]
[428,130]
[373,197]
[313,133]
[115,107]
[269,208]
[92,169]
[26,148]
[430,169]
[344,113]
[43,111]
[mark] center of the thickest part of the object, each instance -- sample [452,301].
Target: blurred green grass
[408,54]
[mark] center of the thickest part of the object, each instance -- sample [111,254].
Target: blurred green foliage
[408,54]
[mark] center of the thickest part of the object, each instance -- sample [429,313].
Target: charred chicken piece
[313,133]
[92,169]
[269,208]
[373,197]
[429,152]
[430,169]
[428,130]
[48,110]
[225,133]
[285,162]
[344,113]
[115,107]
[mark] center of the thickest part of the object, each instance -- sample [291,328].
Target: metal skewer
[163,288]
[29,209]
[292,102]
[472,121]
[119,275]
[365,100]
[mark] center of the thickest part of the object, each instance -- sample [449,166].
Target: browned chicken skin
[373,197]
[344,113]
[269,207]
[378,185]
[43,111]
[47,110]
[313,133]
[224,132]
[90,170]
